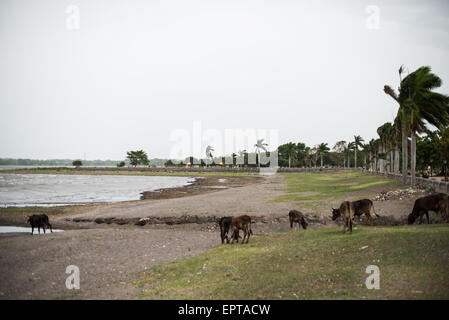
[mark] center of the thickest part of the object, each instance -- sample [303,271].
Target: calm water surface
[58,189]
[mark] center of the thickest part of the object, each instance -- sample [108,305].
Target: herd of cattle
[347,211]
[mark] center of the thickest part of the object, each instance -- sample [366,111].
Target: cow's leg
[32,230]
[291,223]
[39,229]
[350,226]
[43,227]
[427,216]
[51,229]
[222,235]
[245,233]
[249,233]
[370,218]
[344,225]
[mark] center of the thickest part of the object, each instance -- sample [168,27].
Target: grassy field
[312,264]
[313,187]
[127,173]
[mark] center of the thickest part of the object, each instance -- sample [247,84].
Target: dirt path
[33,267]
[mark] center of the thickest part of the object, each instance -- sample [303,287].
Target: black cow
[39,220]
[225,224]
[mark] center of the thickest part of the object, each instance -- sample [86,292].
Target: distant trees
[121,164]
[137,157]
[322,149]
[292,154]
[77,163]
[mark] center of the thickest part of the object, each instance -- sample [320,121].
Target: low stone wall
[438,186]
[206,169]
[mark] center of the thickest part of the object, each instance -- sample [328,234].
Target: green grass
[27,211]
[128,173]
[312,264]
[313,187]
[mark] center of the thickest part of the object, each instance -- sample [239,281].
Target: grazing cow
[298,217]
[39,220]
[436,202]
[364,206]
[361,207]
[225,224]
[346,211]
[241,223]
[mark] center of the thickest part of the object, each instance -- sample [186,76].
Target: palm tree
[349,148]
[366,149]
[419,105]
[241,157]
[209,155]
[340,148]
[373,154]
[260,145]
[357,142]
[396,139]
[313,153]
[322,149]
[291,152]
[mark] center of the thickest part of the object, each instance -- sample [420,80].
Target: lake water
[9,229]
[58,189]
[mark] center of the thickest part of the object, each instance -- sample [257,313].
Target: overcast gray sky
[135,71]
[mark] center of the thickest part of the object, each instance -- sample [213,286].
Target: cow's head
[411,218]
[335,213]
[304,223]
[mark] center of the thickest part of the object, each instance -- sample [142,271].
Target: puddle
[215,187]
[9,229]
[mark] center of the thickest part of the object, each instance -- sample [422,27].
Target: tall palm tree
[291,152]
[322,149]
[357,142]
[241,157]
[260,145]
[209,155]
[419,105]
[313,154]
[366,149]
[396,139]
[349,148]
[340,148]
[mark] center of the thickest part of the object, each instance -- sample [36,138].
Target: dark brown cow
[298,217]
[241,223]
[436,202]
[346,211]
[39,220]
[361,207]
[364,206]
[225,224]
